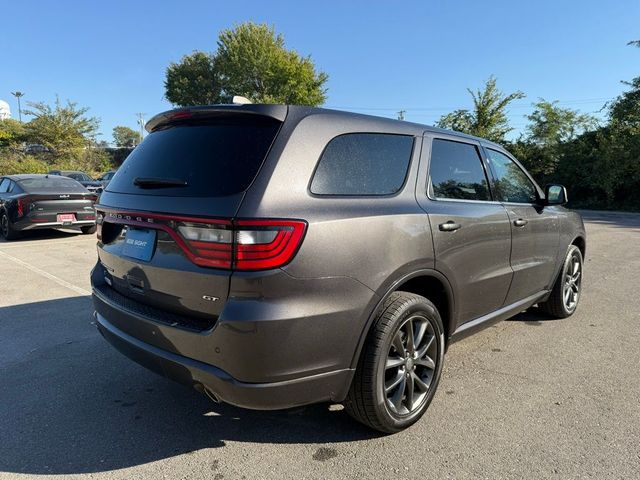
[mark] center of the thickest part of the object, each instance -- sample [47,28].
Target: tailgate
[164,229]
[146,260]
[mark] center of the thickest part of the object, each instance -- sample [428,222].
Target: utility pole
[140,116]
[18,94]
[401,114]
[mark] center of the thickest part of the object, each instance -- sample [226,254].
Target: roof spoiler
[277,112]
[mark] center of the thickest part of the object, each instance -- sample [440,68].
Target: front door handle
[521,222]
[449,226]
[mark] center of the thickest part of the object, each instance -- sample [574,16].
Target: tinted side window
[4,185]
[456,171]
[512,184]
[363,164]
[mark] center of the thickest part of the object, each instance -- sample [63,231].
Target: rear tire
[565,295]
[91,229]
[400,365]
[6,228]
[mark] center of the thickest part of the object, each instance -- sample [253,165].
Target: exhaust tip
[212,396]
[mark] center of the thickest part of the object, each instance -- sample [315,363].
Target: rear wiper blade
[155,182]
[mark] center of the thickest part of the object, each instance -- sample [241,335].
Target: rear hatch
[164,221]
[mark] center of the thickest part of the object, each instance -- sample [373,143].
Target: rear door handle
[521,222]
[449,226]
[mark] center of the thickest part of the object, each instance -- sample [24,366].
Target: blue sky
[381,57]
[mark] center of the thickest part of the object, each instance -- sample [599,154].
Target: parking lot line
[41,272]
[34,244]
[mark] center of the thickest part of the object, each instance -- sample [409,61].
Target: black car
[30,202]
[85,180]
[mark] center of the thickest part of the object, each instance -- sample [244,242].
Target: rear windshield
[217,158]
[53,183]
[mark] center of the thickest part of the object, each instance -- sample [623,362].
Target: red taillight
[238,245]
[264,244]
[245,245]
[23,206]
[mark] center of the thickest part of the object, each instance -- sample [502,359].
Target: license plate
[66,218]
[139,243]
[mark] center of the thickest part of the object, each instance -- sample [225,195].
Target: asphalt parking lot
[528,398]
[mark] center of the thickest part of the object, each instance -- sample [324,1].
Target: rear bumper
[27,225]
[50,220]
[260,396]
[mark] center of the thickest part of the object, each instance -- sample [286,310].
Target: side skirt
[469,328]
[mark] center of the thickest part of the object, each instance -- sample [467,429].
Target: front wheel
[400,364]
[565,294]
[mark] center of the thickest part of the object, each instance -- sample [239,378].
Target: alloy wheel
[410,365]
[572,281]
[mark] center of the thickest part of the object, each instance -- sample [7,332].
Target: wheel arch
[581,243]
[430,284]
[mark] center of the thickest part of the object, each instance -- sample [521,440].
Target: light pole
[18,94]
[141,123]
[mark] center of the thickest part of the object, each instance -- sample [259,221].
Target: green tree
[252,61]
[488,118]
[125,137]
[550,128]
[193,81]
[12,133]
[625,110]
[63,129]
[458,120]
[551,125]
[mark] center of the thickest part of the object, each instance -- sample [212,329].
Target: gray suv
[272,256]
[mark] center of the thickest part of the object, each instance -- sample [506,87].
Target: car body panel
[483,272]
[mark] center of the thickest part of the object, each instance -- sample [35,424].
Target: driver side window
[512,184]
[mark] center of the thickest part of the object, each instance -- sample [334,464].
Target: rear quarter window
[363,164]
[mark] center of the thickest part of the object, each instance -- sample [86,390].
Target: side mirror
[555,195]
